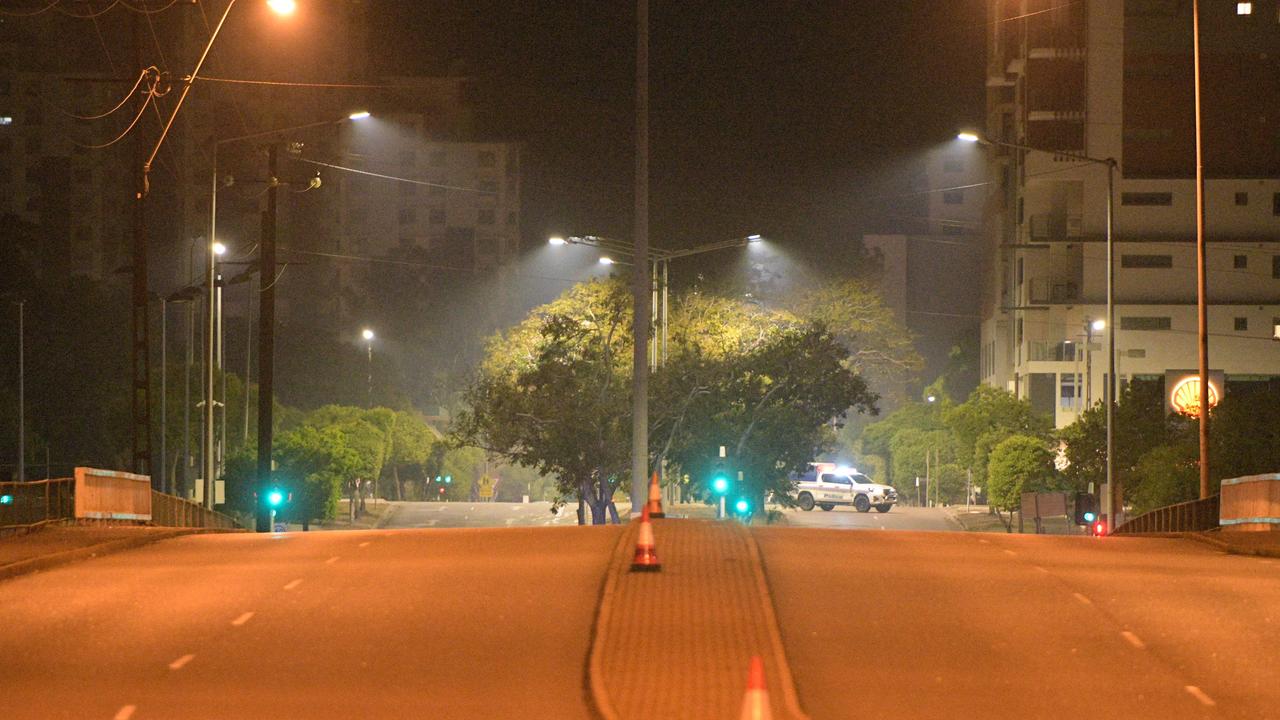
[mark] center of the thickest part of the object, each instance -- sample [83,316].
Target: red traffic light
[1100,528]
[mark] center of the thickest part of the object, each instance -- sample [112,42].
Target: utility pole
[162,474]
[640,296]
[140,344]
[22,401]
[266,330]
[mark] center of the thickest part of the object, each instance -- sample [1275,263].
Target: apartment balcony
[1053,291]
[1056,226]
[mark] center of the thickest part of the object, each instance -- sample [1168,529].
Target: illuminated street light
[361,115]
[367,334]
[1099,325]
[606,260]
[282,7]
[557,240]
[967,137]
[219,249]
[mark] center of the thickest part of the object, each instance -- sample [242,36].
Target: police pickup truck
[827,486]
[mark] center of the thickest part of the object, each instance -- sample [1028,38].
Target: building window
[435,190]
[408,216]
[1242,198]
[485,216]
[1146,323]
[408,158]
[1275,266]
[488,186]
[953,197]
[1240,262]
[511,218]
[438,158]
[408,189]
[1146,261]
[1018,339]
[6,120]
[949,228]
[1146,198]
[1275,204]
[1242,324]
[1244,8]
[1067,396]
[436,217]
[487,158]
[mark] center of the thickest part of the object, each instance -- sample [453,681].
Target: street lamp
[1115,498]
[267,280]
[367,334]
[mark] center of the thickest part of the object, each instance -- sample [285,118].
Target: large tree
[1019,463]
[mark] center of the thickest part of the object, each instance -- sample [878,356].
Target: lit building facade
[1113,80]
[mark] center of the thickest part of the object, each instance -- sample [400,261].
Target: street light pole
[368,341]
[640,283]
[22,406]
[1202,263]
[1115,498]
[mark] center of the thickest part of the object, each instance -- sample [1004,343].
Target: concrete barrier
[112,495]
[1251,503]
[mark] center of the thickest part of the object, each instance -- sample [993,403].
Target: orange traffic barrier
[755,703]
[646,555]
[655,498]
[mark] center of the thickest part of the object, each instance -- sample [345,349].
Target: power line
[393,178]
[123,101]
[415,263]
[285,83]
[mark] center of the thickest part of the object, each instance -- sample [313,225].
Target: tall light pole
[368,336]
[208,458]
[1202,264]
[1113,504]
[641,284]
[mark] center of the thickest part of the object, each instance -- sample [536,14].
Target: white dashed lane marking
[181,662]
[293,584]
[1082,599]
[1200,695]
[332,560]
[1009,552]
[242,619]
[125,712]
[1046,572]
[1134,640]
[984,542]
[364,544]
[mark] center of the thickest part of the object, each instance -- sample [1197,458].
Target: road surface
[477,515]
[933,625]
[361,624]
[899,518]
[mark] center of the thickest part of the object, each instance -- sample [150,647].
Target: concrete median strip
[51,560]
[678,643]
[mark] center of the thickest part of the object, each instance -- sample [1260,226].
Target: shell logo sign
[1185,396]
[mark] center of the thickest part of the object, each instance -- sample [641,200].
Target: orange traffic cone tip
[655,498]
[755,702]
[646,559]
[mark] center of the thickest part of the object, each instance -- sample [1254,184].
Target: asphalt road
[361,624]
[899,518]
[934,625]
[477,515]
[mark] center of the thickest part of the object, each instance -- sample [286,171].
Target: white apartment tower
[1113,79]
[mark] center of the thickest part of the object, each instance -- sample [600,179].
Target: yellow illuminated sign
[1185,396]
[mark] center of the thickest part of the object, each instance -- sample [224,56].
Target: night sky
[772,117]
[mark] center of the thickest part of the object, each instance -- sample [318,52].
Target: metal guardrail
[37,501]
[1193,516]
[172,511]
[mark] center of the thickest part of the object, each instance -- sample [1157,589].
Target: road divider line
[1046,572]
[1082,599]
[984,542]
[364,544]
[333,560]
[1009,553]
[125,712]
[1200,695]
[293,584]
[1134,640]
[181,662]
[242,619]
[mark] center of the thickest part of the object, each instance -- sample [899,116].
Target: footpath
[710,601]
[54,545]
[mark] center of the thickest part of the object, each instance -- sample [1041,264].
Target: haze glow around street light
[1099,324]
[219,249]
[282,7]
[367,334]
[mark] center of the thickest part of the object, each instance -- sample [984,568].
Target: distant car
[827,487]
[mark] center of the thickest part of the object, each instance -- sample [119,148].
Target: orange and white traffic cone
[755,704]
[646,556]
[655,498]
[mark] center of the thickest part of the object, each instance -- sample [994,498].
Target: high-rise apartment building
[1113,79]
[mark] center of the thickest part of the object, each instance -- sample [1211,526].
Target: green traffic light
[720,484]
[1090,517]
[6,499]
[275,498]
[742,506]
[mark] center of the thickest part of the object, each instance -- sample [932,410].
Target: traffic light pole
[266,327]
